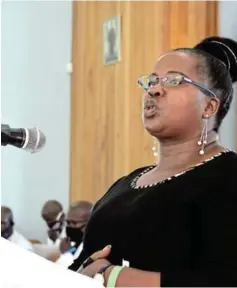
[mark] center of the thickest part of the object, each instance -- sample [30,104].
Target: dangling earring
[203,139]
[155,147]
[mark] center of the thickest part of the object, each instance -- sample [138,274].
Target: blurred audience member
[76,220]
[8,231]
[53,215]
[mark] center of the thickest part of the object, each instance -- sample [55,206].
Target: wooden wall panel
[107,137]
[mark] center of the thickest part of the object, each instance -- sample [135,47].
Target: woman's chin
[153,127]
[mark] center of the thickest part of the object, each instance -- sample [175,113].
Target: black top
[184,227]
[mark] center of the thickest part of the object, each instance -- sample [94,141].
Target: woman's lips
[150,111]
[150,108]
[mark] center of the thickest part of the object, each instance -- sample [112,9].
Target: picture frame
[112,40]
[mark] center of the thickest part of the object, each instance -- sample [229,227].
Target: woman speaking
[175,222]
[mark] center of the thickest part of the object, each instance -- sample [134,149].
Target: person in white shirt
[8,232]
[53,215]
[71,246]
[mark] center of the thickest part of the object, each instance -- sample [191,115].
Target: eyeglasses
[171,79]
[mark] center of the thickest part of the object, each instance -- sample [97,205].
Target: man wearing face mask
[53,215]
[8,232]
[71,246]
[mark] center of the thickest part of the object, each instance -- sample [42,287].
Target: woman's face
[175,112]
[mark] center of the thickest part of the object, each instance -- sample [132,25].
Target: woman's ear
[212,106]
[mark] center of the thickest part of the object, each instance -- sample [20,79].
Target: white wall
[36,47]
[228,28]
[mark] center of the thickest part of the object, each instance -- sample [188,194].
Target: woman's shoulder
[138,171]
[228,166]
[231,155]
[121,184]
[128,177]
[219,172]
[228,163]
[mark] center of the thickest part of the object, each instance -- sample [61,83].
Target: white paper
[24,269]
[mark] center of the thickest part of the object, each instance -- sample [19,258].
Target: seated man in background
[71,246]
[8,232]
[53,215]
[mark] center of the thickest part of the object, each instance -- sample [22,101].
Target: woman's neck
[186,153]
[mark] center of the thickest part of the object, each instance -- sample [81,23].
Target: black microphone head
[34,140]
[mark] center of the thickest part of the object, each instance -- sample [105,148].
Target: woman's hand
[129,277]
[99,261]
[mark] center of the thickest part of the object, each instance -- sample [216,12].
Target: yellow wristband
[113,276]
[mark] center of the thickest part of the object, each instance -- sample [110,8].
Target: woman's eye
[174,79]
[153,81]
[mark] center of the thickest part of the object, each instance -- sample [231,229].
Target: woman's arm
[219,273]
[130,277]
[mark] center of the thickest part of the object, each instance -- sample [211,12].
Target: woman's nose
[155,91]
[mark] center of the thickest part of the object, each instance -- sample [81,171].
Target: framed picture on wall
[112,40]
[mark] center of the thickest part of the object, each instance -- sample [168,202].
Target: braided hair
[217,66]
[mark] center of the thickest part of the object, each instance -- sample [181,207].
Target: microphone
[29,139]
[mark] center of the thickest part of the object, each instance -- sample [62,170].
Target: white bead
[154,148]
[201,152]
[199,142]
[205,142]
[155,154]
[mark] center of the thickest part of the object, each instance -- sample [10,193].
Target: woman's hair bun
[224,49]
